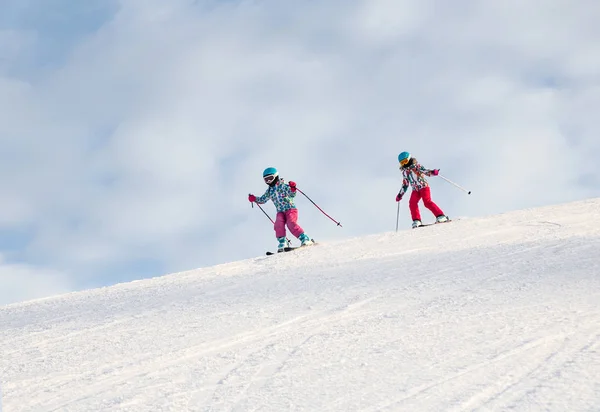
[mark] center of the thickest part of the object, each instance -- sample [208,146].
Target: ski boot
[416,224]
[282,244]
[441,219]
[306,241]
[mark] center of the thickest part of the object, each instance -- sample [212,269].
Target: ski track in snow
[489,314]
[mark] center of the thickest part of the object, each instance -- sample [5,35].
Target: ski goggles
[269,179]
[404,162]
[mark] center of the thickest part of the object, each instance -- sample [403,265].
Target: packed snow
[483,314]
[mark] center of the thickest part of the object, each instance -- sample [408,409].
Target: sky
[131,132]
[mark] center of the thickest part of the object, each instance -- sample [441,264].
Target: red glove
[435,172]
[292,186]
[398,197]
[251,198]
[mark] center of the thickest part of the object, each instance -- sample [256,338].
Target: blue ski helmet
[270,176]
[270,171]
[404,158]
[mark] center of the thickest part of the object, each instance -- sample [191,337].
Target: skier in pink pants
[282,195]
[414,176]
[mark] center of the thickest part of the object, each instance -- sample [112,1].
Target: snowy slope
[487,314]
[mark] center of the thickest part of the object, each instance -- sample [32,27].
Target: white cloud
[146,141]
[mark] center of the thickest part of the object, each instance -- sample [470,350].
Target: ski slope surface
[485,314]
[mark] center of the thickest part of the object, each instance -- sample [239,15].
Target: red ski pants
[289,218]
[424,194]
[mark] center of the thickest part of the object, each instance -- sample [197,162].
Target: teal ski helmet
[404,158]
[270,175]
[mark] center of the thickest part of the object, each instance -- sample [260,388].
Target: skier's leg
[280,231]
[413,204]
[430,204]
[280,225]
[292,224]
[291,217]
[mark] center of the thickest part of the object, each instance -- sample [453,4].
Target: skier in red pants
[414,176]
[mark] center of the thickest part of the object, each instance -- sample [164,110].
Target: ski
[432,224]
[285,249]
[290,248]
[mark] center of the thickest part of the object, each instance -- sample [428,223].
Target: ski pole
[262,210]
[269,217]
[317,206]
[397,216]
[452,183]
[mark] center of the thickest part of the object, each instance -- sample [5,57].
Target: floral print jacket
[281,194]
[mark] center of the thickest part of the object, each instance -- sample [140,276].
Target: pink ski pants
[289,218]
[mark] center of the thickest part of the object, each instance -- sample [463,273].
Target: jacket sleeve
[264,198]
[288,191]
[426,172]
[284,189]
[404,187]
